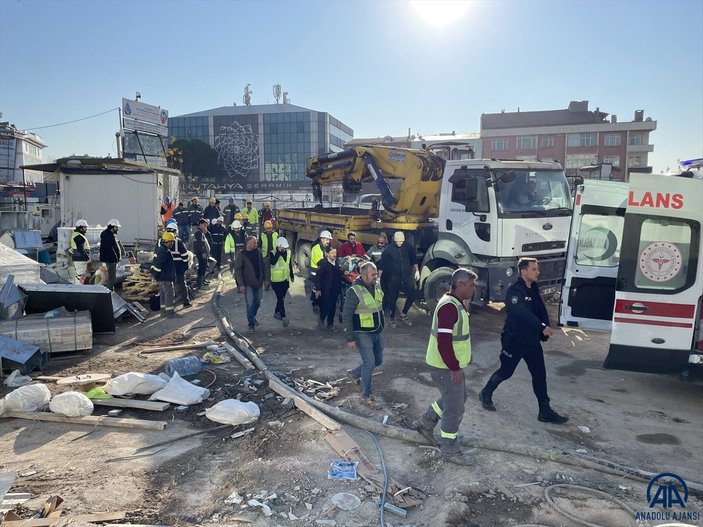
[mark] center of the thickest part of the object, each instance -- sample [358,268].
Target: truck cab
[492,213]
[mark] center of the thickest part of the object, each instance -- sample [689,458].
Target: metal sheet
[74,297]
[6,481]
[16,350]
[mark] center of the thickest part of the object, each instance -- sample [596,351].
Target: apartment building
[582,140]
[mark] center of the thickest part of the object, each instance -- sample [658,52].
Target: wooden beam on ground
[156,406]
[97,517]
[91,420]
[179,347]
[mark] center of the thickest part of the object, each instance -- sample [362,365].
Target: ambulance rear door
[660,279]
[588,293]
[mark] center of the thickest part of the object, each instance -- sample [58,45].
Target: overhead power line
[74,121]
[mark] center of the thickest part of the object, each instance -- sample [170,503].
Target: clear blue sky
[379,66]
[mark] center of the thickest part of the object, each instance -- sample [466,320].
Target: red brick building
[580,139]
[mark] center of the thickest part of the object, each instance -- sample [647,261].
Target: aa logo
[663,489]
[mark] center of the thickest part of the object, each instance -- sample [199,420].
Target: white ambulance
[634,267]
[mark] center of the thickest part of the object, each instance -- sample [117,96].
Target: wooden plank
[91,420]
[97,517]
[303,405]
[156,406]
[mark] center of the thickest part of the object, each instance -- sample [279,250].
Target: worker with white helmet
[110,251]
[80,250]
[317,253]
[281,276]
[234,241]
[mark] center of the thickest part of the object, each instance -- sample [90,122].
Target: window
[599,239]
[469,189]
[636,138]
[580,160]
[527,142]
[613,160]
[582,139]
[499,144]
[612,139]
[634,161]
[547,142]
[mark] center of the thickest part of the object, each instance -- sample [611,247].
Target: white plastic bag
[134,383]
[71,404]
[180,391]
[16,379]
[233,412]
[30,398]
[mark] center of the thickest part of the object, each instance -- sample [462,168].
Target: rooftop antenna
[277,92]
[247,95]
[137,96]
[286,100]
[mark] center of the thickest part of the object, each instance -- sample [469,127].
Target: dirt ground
[649,422]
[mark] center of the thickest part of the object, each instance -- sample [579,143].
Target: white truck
[634,268]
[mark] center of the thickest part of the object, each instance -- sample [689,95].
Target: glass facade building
[264,147]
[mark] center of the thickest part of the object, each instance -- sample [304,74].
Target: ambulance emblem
[660,261]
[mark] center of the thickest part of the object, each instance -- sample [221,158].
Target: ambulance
[634,268]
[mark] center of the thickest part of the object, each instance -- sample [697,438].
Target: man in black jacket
[398,268]
[164,271]
[202,245]
[328,285]
[252,274]
[526,327]
[110,252]
[80,250]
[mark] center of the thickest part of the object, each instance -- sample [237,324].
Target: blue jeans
[184,232]
[370,347]
[253,296]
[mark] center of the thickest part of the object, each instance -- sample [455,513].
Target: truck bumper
[503,272]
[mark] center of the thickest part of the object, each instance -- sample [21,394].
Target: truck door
[659,283]
[588,293]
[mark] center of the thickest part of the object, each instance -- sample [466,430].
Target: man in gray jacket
[251,273]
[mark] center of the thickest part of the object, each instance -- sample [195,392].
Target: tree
[196,159]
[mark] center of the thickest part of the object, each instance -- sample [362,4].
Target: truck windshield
[534,192]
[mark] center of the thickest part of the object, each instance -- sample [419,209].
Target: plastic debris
[341,469]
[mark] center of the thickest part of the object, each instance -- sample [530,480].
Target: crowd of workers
[366,284]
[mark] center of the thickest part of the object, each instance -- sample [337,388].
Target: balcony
[632,149]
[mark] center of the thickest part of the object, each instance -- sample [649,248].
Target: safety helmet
[194,198]
[399,237]
[171,222]
[212,200]
[326,234]
[238,216]
[231,199]
[282,242]
[167,200]
[213,221]
[81,223]
[114,223]
[236,224]
[168,237]
[266,203]
[268,224]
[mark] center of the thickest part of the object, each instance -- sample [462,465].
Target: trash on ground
[135,383]
[30,398]
[180,391]
[71,404]
[265,508]
[346,501]
[16,379]
[233,412]
[341,469]
[584,429]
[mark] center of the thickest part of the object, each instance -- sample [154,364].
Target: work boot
[350,374]
[425,431]
[547,415]
[485,396]
[370,402]
[277,316]
[405,320]
[452,453]
[392,323]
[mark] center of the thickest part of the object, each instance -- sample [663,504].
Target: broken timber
[91,420]
[156,406]
[97,517]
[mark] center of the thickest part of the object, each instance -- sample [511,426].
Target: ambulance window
[599,240]
[662,257]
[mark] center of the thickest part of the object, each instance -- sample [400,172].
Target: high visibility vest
[317,253]
[368,315]
[265,249]
[280,271]
[461,341]
[74,246]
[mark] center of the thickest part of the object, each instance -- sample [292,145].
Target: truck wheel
[438,283]
[302,258]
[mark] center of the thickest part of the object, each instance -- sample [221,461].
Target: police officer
[80,250]
[448,353]
[526,327]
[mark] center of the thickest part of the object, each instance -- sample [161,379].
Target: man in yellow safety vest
[448,353]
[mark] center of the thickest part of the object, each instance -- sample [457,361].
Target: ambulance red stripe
[656,309]
[652,322]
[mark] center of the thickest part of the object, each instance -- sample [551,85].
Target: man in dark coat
[328,285]
[164,271]
[110,251]
[253,276]
[526,327]
[202,245]
[398,267]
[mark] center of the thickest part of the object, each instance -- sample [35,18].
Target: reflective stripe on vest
[265,249]
[86,245]
[280,272]
[366,308]
[461,341]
